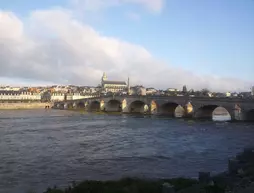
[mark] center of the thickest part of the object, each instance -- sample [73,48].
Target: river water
[41,148]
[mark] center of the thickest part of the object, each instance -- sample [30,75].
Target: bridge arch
[61,106]
[70,105]
[114,106]
[213,112]
[171,109]
[249,115]
[80,105]
[94,106]
[137,106]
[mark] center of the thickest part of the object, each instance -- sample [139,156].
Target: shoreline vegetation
[239,178]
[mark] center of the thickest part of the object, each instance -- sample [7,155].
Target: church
[113,86]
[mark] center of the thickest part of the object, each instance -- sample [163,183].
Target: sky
[157,43]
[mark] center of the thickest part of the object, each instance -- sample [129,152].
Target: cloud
[53,46]
[151,5]
[133,16]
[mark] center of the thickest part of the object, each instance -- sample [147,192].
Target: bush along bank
[239,178]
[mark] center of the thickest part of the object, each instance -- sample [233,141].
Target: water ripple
[45,148]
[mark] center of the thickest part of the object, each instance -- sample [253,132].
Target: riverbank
[23,106]
[239,178]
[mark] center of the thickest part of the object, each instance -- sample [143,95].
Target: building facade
[78,96]
[113,86]
[138,90]
[16,95]
[8,88]
[151,91]
[57,96]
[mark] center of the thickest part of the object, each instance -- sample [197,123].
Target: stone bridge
[178,106]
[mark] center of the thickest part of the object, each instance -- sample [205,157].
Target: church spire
[104,76]
[128,86]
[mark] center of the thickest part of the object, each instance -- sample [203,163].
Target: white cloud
[133,16]
[55,47]
[151,5]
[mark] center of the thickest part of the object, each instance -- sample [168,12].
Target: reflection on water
[221,118]
[221,114]
[51,147]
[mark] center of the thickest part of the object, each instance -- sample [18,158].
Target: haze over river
[41,148]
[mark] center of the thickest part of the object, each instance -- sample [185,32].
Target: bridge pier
[239,116]
[189,111]
[153,108]
[124,106]
[94,106]
[65,106]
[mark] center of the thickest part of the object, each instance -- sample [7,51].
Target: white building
[8,88]
[9,95]
[172,90]
[252,91]
[138,90]
[228,94]
[150,91]
[15,95]
[69,96]
[57,96]
[30,96]
[77,96]
[141,90]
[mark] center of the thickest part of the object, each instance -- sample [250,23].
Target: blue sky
[211,36]
[206,37]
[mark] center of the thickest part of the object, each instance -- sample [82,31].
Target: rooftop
[114,82]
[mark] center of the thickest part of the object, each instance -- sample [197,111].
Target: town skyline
[157,43]
[116,87]
[99,84]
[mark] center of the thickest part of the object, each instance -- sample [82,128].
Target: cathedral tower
[104,77]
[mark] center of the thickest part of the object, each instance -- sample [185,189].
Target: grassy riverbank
[239,178]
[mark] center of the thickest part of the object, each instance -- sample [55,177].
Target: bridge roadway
[180,106]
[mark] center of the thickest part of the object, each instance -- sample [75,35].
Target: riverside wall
[20,105]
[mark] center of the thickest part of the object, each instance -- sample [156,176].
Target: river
[41,148]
